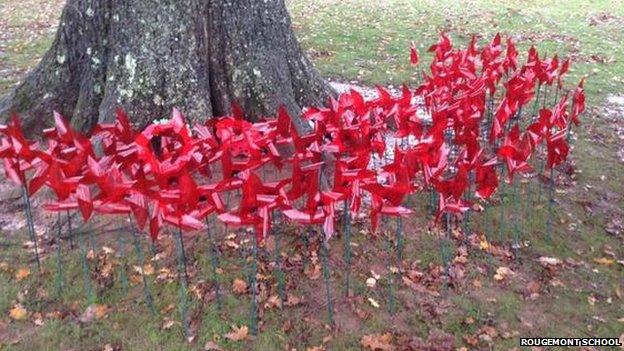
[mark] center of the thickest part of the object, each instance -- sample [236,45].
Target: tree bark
[149,56]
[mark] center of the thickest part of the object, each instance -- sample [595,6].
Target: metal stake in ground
[214,262]
[70,234]
[517,242]
[389,253]
[86,272]
[347,245]
[31,225]
[60,280]
[253,275]
[183,278]
[551,200]
[326,277]
[281,277]
[123,276]
[446,250]
[149,299]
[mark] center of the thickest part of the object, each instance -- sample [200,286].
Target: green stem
[528,206]
[281,277]
[153,247]
[537,95]
[60,280]
[86,273]
[183,278]
[445,251]
[306,245]
[31,226]
[501,222]
[433,201]
[326,278]
[488,236]
[214,262]
[516,223]
[123,276]
[551,200]
[149,299]
[400,241]
[347,246]
[70,231]
[391,303]
[92,242]
[253,315]
[466,220]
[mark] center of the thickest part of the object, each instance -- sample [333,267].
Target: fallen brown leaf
[18,313]
[237,334]
[313,271]
[93,312]
[292,300]
[212,346]
[4,266]
[502,273]
[239,286]
[168,323]
[549,261]
[373,302]
[604,261]
[273,302]
[22,274]
[382,342]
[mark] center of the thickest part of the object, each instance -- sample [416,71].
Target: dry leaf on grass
[239,286]
[237,334]
[18,313]
[373,302]
[502,273]
[273,302]
[484,244]
[168,323]
[549,261]
[93,312]
[147,269]
[292,300]
[212,346]
[604,261]
[38,319]
[381,342]
[22,274]
[4,266]
[313,271]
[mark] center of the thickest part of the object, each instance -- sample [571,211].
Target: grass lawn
[367,42]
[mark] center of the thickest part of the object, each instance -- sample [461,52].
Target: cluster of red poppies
[455,138]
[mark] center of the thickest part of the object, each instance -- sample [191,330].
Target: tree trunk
[147,56]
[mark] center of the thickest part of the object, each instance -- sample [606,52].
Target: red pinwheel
[18,154]
[452,206]
[486,178]
[257,203]
[413,54]
[578,103]
[515,151]
[557,149]
[469,122]
[454,186]
[320,209]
